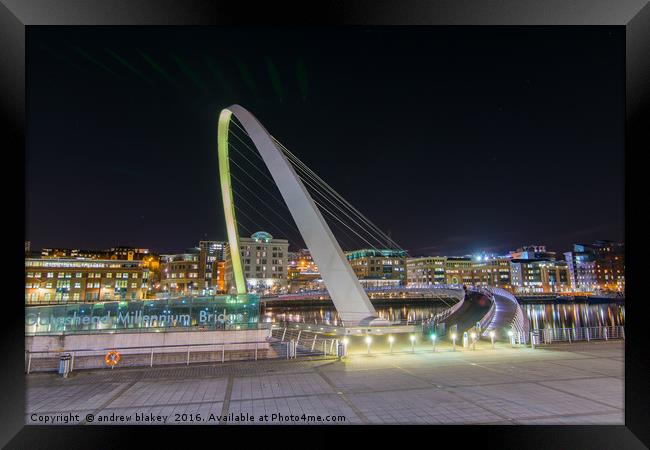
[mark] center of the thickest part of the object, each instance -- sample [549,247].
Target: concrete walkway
[580,383]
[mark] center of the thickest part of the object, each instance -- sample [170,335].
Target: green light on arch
[228,204]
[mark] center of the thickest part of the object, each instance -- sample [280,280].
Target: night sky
[456,140]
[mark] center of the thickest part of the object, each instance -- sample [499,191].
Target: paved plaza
[579,383]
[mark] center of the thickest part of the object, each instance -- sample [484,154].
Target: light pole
[492,338]
[412,343]
[346,341]
[453,340]
[433,341]
[368,341]
[512,339]
[391,339]
[473,341]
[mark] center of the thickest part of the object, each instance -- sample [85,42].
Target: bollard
[587,332]
[492,338]
[391,339]
[453,340]
[151,361]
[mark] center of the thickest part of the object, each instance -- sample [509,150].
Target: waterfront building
[123,253]
[378,267]
[609,260]
[532,252]
[425,271]
[582,269]
[302,272]
[197,271]
[264,261]
[59,280]
[492,271]
[459,270]
[532,276]
[180,272]
[212,267]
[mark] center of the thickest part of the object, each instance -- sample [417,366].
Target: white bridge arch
[347,294]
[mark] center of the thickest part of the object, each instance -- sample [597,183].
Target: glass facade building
[225,312]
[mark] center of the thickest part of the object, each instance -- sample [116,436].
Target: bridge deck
[506,308]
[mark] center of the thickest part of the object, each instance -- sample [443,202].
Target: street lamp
[453,339]
[391,339]
[412,343]
[492,338]
[433,341]
[368,341]
[473,341]
[512,339]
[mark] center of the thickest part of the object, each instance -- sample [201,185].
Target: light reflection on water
[540,315]
[569,315]
[400,312]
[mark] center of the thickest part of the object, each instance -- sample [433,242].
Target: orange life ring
[112,357]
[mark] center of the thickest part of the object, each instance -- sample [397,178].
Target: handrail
[148,347]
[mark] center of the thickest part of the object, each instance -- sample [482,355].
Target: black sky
[456,140]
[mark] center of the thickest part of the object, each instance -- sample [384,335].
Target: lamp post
[492,338]
[473,341]
[368,341]
[391,339]
[412,343]
[346,341]
[453,340]
[512,339]
[433,341]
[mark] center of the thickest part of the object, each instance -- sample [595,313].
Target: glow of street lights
[368,341]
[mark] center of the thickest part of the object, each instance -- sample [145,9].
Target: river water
[540,315]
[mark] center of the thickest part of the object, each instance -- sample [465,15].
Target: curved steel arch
[347,294]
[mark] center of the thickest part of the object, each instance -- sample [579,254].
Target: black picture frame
[17,15]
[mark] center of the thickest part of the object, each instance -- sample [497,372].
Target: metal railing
[550,335]
[303,342]
[179,354]
[487,318]
[546,336]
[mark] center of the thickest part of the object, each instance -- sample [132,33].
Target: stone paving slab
[604,390]
[287,385]
[519,401]
[556,385]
